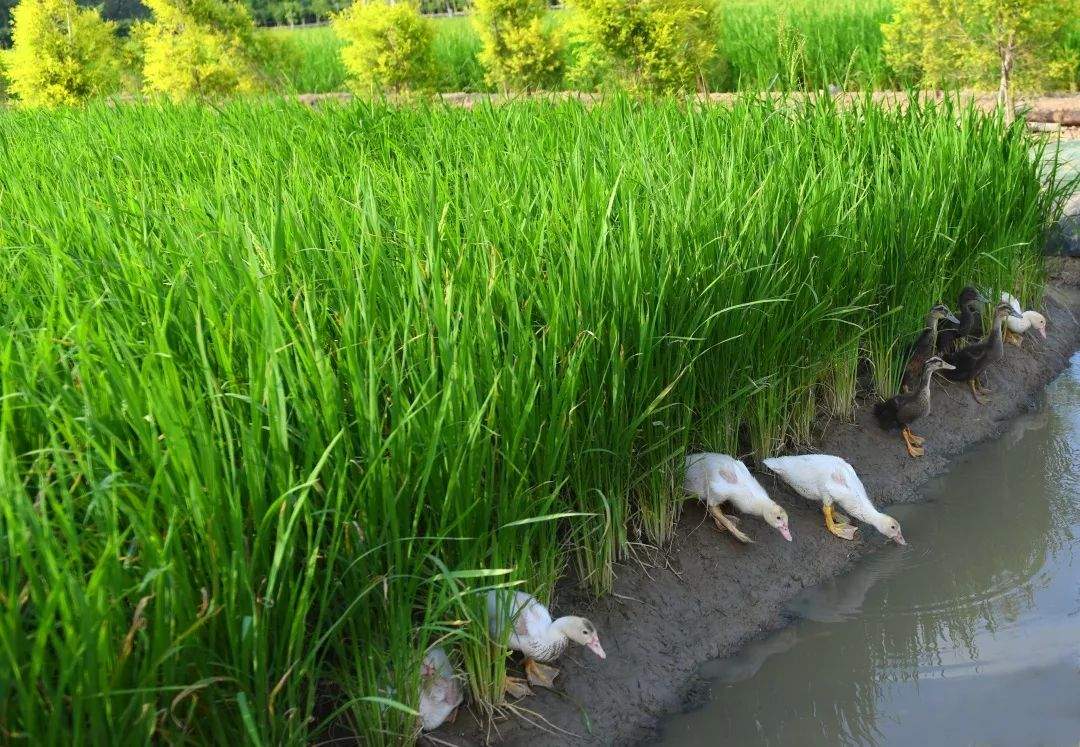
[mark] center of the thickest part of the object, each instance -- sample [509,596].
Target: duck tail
[885,412]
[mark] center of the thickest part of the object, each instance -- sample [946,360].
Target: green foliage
[520,52]
[801,45]
[654,45]
[62,54]
[388,45]
[982,43]
[297,384]
[199,48]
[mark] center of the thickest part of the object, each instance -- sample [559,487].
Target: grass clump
[274,408]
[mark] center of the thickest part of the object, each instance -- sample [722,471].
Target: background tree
[519,51]
[61,54]
[1002,43]
[657,45]
[388,45]
[202,48]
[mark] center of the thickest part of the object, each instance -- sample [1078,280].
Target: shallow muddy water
[968,636]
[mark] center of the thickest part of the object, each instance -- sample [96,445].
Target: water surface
[968,636]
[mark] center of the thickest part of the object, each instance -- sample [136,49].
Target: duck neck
[556,632]
[867,514]
[931,327]
[924,381]
[994,337]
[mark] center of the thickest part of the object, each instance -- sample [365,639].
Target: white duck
[718,479]
[440,690]
[1017,326]
[829,479]
[536,635]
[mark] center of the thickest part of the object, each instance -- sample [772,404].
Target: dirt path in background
[713,596]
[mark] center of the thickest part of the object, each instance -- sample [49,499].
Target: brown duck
[969,329]
[904,409]
[972,361]
[924,347]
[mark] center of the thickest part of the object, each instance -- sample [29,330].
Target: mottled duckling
[719,479]
[1029,320]
[536,635]
[970,305]
[924,347]
[904,409]
[969,363]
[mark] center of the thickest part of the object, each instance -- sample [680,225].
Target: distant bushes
[62,54]
[519,51]
[1003,45]
[199,48]
[211,48]
[655,45]
[388,45]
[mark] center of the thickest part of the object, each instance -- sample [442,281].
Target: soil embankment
[708,596]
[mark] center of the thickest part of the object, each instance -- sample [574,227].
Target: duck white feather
[719,478]
[1027,319]
[829,479]
[440,689]
[533,632]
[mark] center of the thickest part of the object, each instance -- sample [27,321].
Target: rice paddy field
[763,45]
[282,391]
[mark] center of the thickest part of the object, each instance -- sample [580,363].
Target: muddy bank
[709,596]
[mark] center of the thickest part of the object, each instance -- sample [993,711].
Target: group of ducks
[955,347]
[949,344]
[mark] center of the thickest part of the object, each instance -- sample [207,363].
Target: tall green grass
[281,389]
[802,45]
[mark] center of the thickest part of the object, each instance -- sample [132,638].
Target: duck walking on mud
[829,479]
[536,635]
[971,362]
[906,408]
[719,479]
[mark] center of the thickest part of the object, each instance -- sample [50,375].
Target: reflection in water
[971,635]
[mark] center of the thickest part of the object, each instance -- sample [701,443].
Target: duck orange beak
[596,648]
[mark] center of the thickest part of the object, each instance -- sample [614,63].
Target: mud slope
[661,623]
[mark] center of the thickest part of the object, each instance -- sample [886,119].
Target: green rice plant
[284,392]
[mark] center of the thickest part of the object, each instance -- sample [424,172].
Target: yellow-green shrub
[203,48]
[61,54]
[655,45]
[983,43]
[519,51]
[388,45]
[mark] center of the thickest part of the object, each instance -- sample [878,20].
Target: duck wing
[1012,301]
[526,615]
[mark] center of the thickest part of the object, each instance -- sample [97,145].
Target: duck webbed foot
[837,524]
[540,675]
[516,687]
[975,392]
[914,443]
[727,523]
